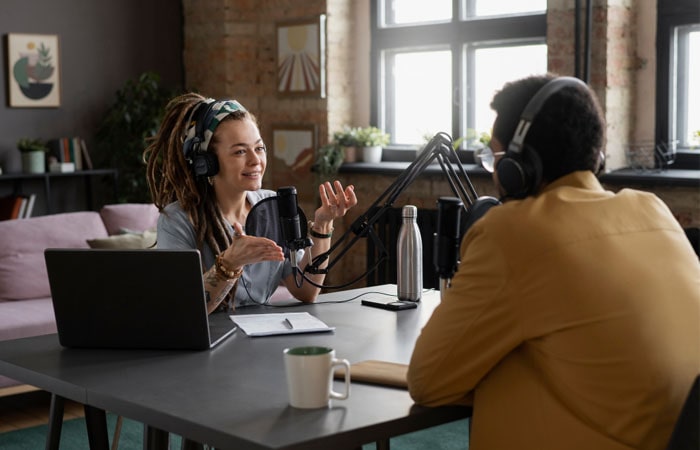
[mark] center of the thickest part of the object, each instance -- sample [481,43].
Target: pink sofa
[25,298]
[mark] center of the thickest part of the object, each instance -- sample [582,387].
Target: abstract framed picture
[295,145]
[34,71]
[301,57]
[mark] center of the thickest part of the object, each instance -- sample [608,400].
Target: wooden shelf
[87,175]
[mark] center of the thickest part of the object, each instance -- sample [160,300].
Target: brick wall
[230,51]
[614,63]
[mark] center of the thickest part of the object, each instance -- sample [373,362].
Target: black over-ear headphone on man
[202,163]
[520,169]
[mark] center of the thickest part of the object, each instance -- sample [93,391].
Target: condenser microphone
[447,239]
[290,222]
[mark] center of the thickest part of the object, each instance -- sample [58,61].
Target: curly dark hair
[568,133]
[170,178]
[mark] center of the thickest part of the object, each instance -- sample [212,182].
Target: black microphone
[447,239]
[290,222]
[451,229]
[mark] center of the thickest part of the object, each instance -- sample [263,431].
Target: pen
[288,323]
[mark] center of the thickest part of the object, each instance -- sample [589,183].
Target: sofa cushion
[22,267]
[134,217]
[146,239]
[26,318]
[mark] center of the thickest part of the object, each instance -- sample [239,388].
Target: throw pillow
[135,216]
[147,239]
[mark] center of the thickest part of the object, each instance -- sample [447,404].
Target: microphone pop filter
[264,221]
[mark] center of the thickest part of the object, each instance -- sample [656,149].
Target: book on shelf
[87,161]
[17,206]
[10,206]
[66,150]
[31,199]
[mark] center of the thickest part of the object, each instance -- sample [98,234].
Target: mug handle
[345,363]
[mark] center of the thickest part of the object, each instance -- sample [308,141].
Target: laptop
[132,299]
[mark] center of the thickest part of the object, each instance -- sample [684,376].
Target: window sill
[671,177]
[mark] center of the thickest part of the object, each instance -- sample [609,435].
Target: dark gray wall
[102,44]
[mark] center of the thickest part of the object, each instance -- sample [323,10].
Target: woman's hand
[335,202]
[250,249]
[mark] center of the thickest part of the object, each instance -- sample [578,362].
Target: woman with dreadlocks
[205,170]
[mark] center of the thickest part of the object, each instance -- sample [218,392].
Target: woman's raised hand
[335,201]
[250,249]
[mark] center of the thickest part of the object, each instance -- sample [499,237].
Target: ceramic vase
[372,154]
[350,154]
[34,162]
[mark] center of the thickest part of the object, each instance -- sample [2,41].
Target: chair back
[686,432]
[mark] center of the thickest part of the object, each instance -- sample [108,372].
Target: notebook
[132,299]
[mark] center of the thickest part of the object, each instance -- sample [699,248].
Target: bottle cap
[409,211]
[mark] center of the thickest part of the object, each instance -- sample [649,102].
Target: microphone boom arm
[440,148]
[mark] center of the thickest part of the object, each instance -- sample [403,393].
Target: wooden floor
[29,409]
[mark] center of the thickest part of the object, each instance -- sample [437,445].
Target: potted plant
[329,159]
[371,140]
[33,155]
[133,118]
[347,140]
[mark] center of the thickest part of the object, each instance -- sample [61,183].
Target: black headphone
[202,163]
[520,169]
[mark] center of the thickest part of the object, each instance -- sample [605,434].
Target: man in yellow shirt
[573,321]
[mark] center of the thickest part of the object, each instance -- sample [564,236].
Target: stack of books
[17,206]
[68,155]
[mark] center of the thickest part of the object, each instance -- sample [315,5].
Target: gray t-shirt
[258,281]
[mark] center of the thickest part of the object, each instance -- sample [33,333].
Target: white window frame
[462,35]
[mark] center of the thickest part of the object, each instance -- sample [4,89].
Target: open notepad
[282,323]
[384,373]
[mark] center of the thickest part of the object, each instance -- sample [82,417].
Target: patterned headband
[217,112]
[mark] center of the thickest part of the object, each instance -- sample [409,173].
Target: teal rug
[451,436]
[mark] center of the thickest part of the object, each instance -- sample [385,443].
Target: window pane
[423,95]
[693,113]
[495,66]
[415,11]
[500,7]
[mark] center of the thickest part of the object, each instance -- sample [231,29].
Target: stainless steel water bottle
[409,254]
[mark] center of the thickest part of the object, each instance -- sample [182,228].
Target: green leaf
[135,114]
[42,72]
[19,71]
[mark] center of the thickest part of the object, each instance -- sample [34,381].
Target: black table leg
[155,439]
[53,435]
[383,444]
[96,421]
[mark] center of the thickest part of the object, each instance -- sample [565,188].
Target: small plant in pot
[328,159]
[33,155]
[347,139]
[371,139]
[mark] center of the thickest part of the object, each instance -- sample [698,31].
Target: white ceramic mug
[310,376]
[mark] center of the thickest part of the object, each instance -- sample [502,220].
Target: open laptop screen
[145,298]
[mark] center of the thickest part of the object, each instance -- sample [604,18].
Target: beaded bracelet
[316,234]
[222,270]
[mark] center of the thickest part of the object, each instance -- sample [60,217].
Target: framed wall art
[301,62]
[33,66]
[295,145]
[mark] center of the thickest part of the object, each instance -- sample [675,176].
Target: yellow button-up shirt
[573,321]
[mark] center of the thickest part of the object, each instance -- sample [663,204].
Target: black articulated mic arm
[439,148]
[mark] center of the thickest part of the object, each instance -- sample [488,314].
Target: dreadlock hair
[170,177]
